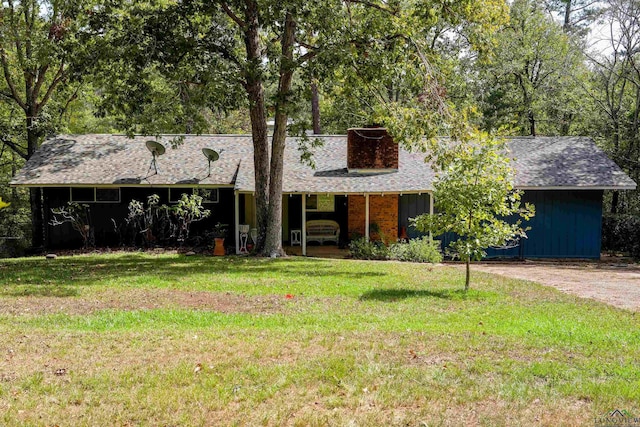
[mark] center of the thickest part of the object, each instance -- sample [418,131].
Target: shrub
[149,221]
[188,210]
[79,216]
[621,233]
[161,224]
[417,250]
[421,249]
[362,249]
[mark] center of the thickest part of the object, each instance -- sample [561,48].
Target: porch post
[430,211]
[255,211]
[237,221]
[304,225]
[366,217]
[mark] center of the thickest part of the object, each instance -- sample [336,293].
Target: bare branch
[232,15]
[60,75]
[42,72]
[307,56]
[7,76]
[307,45]
[19,150]
[16,36]
[72,98]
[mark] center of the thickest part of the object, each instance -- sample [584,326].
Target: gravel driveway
[612,283]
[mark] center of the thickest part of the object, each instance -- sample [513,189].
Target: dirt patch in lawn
[616,284]
[144,299]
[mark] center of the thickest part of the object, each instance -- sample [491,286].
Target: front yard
[140,339]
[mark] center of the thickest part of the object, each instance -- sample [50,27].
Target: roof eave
[576,187]
[69,185]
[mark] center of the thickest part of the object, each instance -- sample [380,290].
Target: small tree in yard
[474,197]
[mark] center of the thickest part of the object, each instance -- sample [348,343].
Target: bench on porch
[323,230]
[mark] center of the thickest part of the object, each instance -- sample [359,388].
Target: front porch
[380,216]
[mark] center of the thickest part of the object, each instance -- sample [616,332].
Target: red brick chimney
[371,149]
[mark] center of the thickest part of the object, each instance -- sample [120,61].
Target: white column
[430,210]
[366,216]
[304,225]
[237,221]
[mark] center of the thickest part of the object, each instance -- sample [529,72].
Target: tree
[258,48]
[43,50]
[529,84]
[614,90]
[474,197]
[576,15]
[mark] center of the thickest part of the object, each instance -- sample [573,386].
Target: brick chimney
[371,149]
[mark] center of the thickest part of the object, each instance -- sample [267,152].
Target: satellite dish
[211,155]
[156,149]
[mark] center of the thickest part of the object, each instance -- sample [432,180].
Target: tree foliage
[576,15]
[257,54]
[45,52]
[528,85]
[613,90]
[474,197]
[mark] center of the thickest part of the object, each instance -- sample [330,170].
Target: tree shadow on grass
[391,295]
[40,291]
[96,270]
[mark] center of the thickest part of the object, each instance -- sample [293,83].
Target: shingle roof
[565,162]
[101,160]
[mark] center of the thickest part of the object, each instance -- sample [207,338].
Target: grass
[139,339]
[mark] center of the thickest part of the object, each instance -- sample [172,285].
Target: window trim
[95,194]
[204,201]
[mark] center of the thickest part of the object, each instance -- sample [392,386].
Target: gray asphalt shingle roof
[115,160]
[565,162]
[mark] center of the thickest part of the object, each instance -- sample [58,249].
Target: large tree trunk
[35,196]
[532,123]
[257,114]
[273,243]
[567,17]
[615,200]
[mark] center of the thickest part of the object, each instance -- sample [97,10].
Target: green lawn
[139,339]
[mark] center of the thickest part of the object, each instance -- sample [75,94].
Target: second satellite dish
[156,149]
[211,155]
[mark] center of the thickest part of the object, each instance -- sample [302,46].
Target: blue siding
[410,206]
[567,225]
